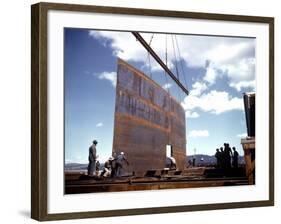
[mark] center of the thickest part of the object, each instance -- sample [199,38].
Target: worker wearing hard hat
[107,169]
[121,158]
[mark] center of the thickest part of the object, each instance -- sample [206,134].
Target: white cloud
[198,133]
[198,88]
[218,50]
[123,44]
[221,56]
[167,86]
[211,75]
[244,70]
[214,102]
[195,50]
[100,124]
[243,85]
[242,75]
[243,135]
[227,52]
[110,76]
[237,70]
[189,114]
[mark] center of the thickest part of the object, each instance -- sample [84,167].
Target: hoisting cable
[166,61]
[182,68]
[160,62]
[148,57]
[167,82]
[176,60]
[176,64]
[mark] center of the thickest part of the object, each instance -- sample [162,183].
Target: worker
[92,158]
[223,160]
[189,163]
[113,164]
[107,169]
[218,157]
[235,158]
[97,165]
[173,163]
[193,161]
[121,158]
[228,155]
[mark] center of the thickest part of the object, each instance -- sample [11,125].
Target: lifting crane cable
[167,82]
[166,61]
[176,64]
[159,61]
[182,68]
[176,60]
[180,62]
[148,57]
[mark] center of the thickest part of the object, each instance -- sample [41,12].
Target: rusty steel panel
[146,119]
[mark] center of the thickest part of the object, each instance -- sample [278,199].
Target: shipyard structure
[149,127]
[148,121]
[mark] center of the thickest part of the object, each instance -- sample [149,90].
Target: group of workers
[227,158]
[112,167]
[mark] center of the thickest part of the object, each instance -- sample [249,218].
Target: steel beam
[160,62]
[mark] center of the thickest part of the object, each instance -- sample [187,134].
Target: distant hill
[75,166]
[78,166]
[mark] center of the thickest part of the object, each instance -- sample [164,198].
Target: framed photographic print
[139,111]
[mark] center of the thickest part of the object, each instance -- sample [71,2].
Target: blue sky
[216,70]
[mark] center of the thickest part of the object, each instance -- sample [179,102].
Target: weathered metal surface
[147,119]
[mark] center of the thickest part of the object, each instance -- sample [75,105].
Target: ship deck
[193,178]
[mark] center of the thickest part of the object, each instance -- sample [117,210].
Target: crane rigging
[160,62]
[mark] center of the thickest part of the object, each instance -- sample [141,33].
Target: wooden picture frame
[39,110]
